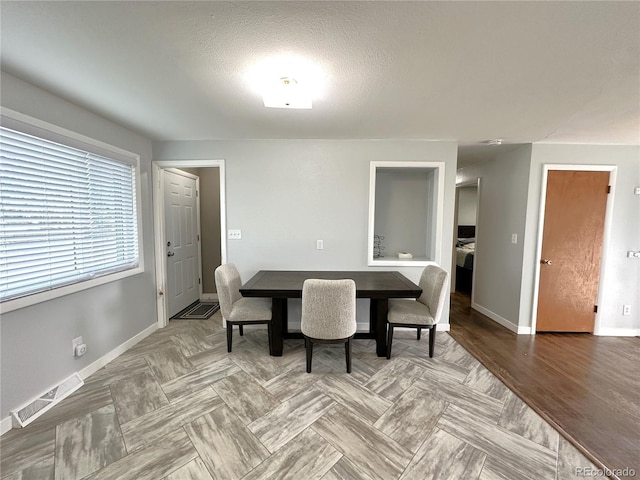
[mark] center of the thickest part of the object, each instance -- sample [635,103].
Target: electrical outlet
[626,310]
[319,244]
[633,254]
[514,238]
[234,235]
[74,343]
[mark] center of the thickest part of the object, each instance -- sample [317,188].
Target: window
[68,215]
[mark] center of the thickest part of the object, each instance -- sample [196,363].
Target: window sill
[401,262]
[26,301]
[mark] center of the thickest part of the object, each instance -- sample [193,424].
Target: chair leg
[241,331]
[389,340]
[309,348]
[432,339]
[347,351]
[229,336]
[419,332]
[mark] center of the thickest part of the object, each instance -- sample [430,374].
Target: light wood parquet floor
[178,406]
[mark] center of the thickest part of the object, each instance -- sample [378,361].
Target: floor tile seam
[183,423]
[387,437]
[415,361]
[158,382]
[504,431]
[446,398]
[247,372]
[257,382]
[119,421]
[126,374]
[271,454]
[242,421]
[513,431]
[414,454]
[351,410]
[187,461]
[163,385]
[374,394]
[484,462]
[489,454]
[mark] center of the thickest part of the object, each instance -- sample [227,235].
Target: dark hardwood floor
[587,387]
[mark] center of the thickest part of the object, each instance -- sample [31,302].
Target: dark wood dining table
[379,287]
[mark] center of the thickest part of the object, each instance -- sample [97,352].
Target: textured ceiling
[465,71]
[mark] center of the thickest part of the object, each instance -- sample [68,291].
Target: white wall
[518,182]
[286,194]
[467,205]
[502,207]
[402,209]
[620,275]
[36,348]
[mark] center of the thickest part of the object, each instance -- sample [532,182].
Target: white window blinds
[66,215]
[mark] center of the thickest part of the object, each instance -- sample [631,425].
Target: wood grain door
[571,249]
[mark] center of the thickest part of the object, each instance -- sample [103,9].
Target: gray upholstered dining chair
[425,311]
[328,314]
[236,309]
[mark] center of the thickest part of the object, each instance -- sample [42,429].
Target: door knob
[546,262]
[170,254]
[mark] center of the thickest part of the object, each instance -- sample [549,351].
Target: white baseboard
[209,297]
[116,352]
[618,332]
[501,320]
[443,327]
[6,424]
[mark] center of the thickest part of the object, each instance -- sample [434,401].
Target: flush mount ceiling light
[286,92]
[286,81]
[496,141]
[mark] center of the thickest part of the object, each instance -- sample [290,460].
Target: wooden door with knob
[572,236]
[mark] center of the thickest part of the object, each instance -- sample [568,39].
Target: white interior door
[181,225]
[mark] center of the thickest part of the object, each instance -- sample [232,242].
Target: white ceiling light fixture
[286,92]
[287,81]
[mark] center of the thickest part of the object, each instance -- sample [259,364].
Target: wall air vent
[32,410]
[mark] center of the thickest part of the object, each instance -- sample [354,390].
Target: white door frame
[159,225]
[612,169]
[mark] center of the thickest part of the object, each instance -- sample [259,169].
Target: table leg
[378,323]
[278,324]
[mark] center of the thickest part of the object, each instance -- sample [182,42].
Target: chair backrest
[433,283]
[328,309]
[228,285]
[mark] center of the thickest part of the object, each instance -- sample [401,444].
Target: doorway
[182,234]
[465,230]
[209,171]
[575,210]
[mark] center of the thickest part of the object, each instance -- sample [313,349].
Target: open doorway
[210,229]
[466,220]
